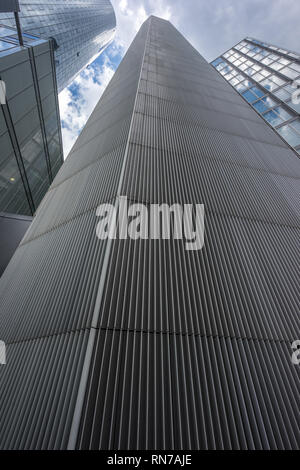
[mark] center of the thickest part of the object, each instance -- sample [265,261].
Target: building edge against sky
[81,29]
[140,344]
[266,76]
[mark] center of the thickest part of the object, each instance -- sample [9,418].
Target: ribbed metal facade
[125,344]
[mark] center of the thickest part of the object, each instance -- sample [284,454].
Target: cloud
[78,100]
[132,13]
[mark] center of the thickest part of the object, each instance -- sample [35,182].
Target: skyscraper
[267,77]
[141,344]
[81,30]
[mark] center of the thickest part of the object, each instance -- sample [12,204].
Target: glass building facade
[31,150]
[266,76]
[81,29]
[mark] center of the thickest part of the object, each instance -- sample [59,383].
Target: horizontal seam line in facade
[195,106]
[154,332]
[198,106]
[230,162]
[190,90]
[205,126]
[181,77]
[141,201]
[86,166]
[178,75]
[197,71]
[194,155]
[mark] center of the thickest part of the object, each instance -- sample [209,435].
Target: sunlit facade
[82,30]
[266,76]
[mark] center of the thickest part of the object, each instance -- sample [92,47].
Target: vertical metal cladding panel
[49,290]
[194,348]
[185,350]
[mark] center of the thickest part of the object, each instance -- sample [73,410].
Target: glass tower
[267,77]
[31,151]
[141,344]
[81,30]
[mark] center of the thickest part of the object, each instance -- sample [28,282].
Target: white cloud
[76,107]
[132,13]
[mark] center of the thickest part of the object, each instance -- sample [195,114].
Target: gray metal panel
[39,389]
[12,230]
[9,6]
[185,350]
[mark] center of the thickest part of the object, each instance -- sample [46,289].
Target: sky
[212,27]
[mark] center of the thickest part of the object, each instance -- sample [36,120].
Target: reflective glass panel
[285,115]
[273,118]
[264,104]
[257,91]
[290,135]
[249,96]
[290,73]
[295,106]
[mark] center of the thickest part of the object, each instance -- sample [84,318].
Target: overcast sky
[212,26]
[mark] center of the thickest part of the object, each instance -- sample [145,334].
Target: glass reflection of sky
[5,45]
[289,135]
[273,118]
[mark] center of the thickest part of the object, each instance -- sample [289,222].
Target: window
[241,87]
[265,73]
[284,61]
[277,80]
[267,61]
[264,104]
[268,84]
[250,72]
[295,67]
[257,91]
[258,77]
[285,115]
[249,96]
[273,118]
[296,125]
[294,106]
[290,73]
[234,81]
[276,66]
[282,94]
[290,135]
